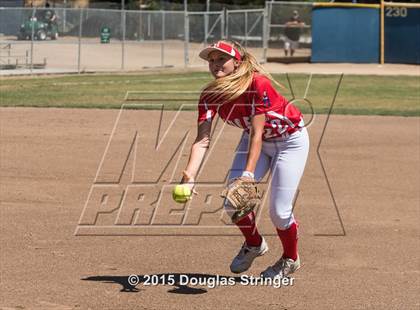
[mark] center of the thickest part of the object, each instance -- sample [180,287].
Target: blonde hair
[232,86]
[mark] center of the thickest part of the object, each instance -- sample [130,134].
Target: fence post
[80,40]
[32,41]
[140,30]
[162,42]
[246,29]
[186,38]
[64,17]
[206,27]
[382,49]
[225,26]
[149,26]
[266,28]
[123,25]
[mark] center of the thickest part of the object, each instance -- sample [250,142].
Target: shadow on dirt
[182,282]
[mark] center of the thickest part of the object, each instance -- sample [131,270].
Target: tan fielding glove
[243,195]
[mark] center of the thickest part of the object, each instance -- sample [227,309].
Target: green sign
[105,34]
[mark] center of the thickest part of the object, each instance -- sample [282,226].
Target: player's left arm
[256,135]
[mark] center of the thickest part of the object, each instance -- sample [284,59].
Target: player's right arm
[206,114]
[198,151]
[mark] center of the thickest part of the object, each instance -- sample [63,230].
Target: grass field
[357,95]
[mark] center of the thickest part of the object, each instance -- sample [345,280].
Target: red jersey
[281,117]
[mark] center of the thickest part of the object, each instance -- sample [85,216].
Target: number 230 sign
[395,12]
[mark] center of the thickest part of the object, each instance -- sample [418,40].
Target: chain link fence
[288,25]
[30,39]
[247,28]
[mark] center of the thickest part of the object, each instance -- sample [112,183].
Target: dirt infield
[48,162]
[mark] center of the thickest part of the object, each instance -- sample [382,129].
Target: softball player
[274,139]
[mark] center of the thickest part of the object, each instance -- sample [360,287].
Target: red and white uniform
[282,118]
[285,142]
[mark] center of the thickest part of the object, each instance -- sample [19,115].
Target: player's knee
[281,219]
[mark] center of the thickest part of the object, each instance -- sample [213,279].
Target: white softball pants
[286,159]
